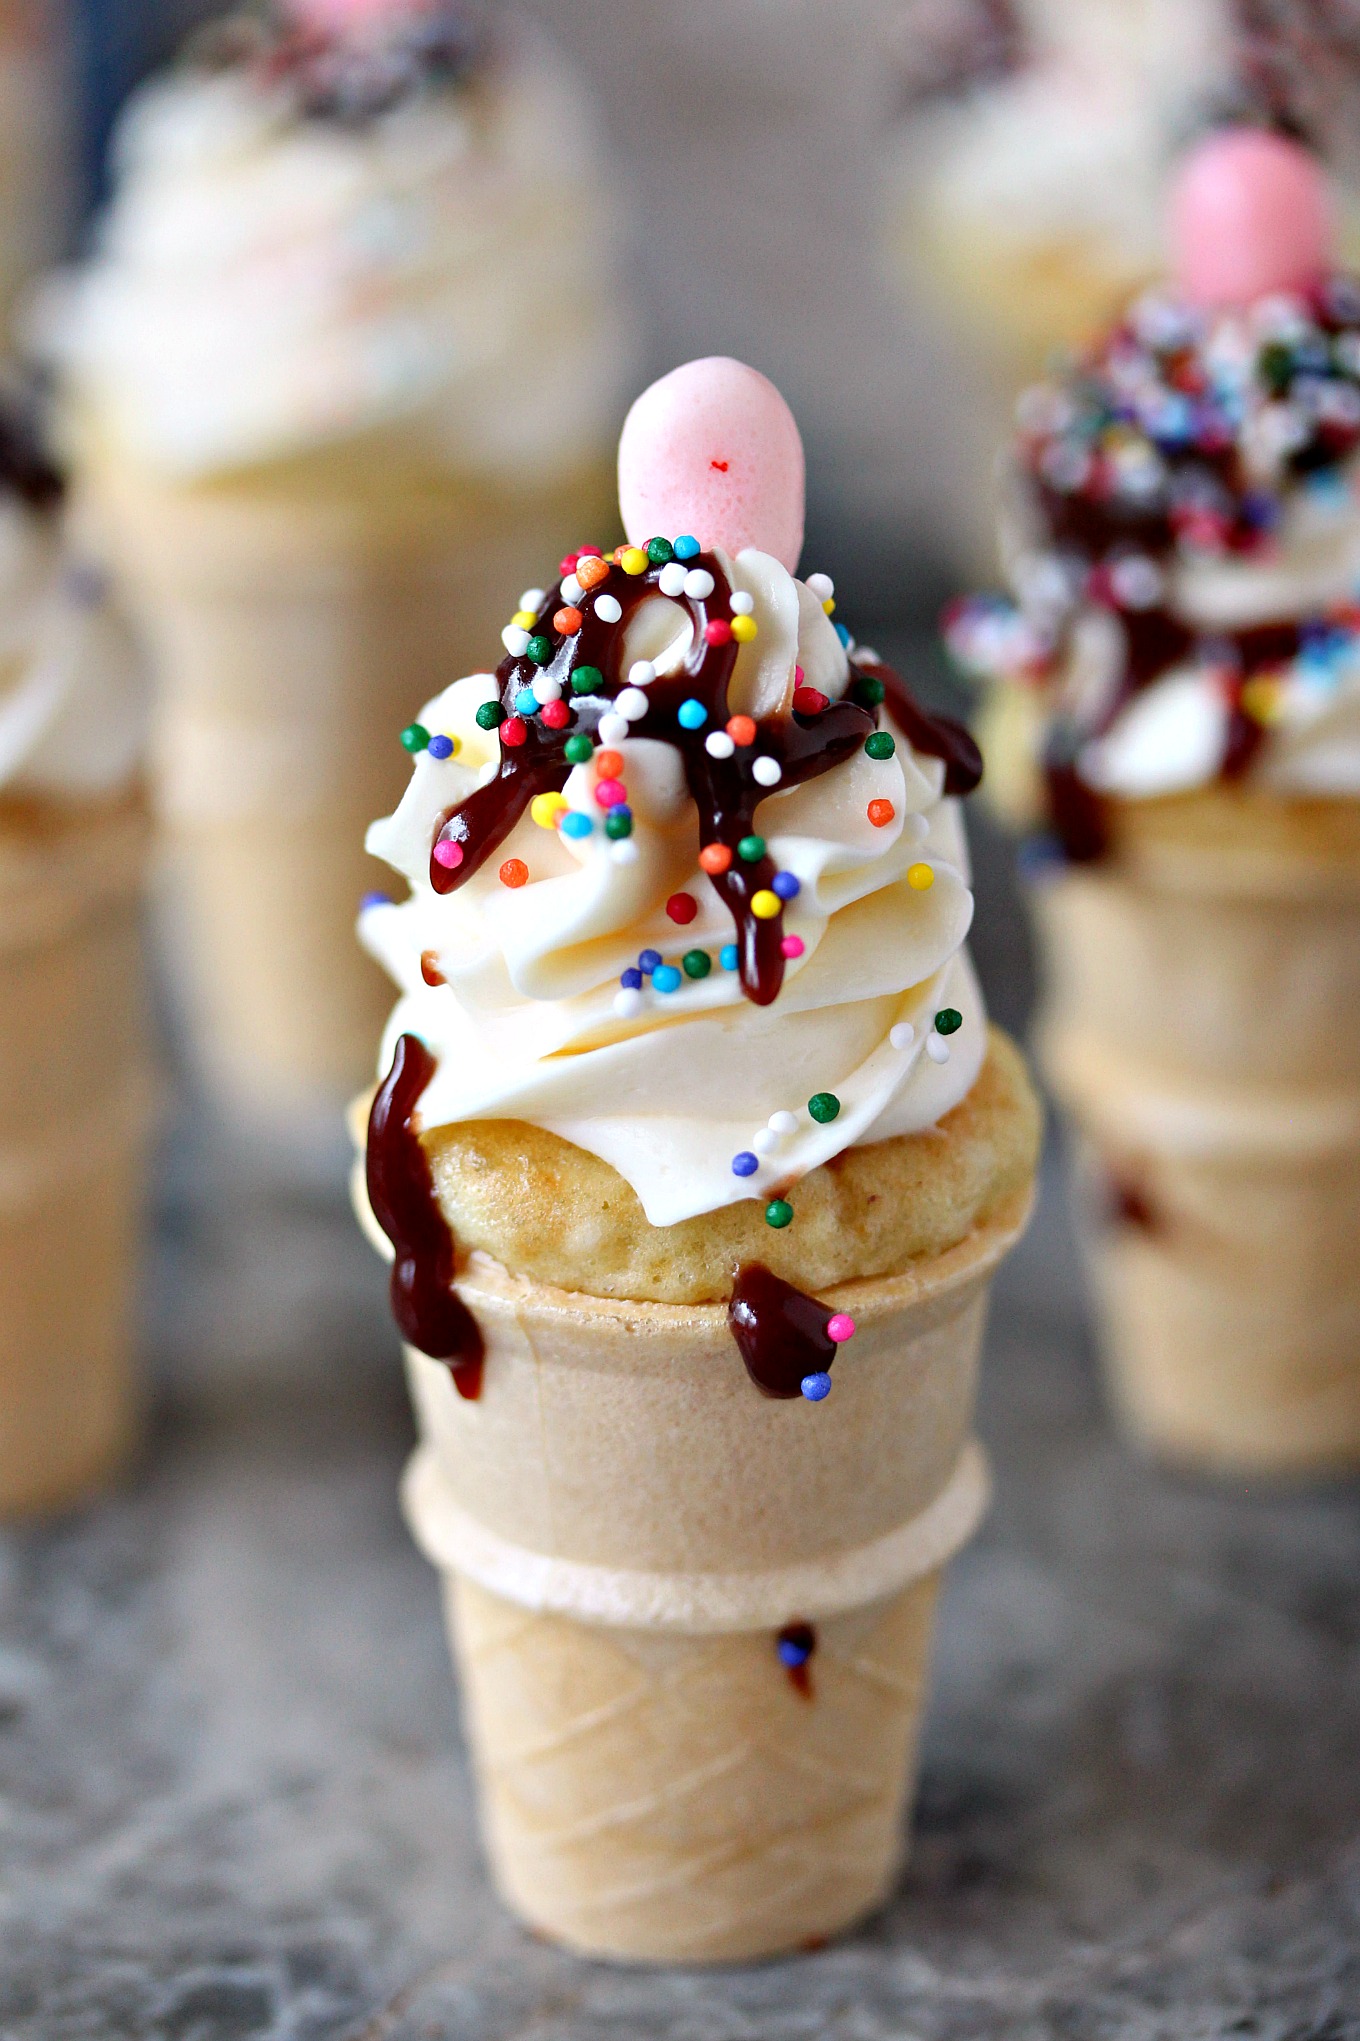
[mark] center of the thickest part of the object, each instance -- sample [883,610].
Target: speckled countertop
[233,1805]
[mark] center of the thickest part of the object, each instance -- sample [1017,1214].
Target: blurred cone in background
[345,368]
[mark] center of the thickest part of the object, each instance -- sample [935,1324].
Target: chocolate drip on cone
[780,1331]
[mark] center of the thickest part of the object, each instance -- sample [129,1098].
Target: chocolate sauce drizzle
[401,1191]
[780,1332]
[724,790]
[25,470]
[795,1645]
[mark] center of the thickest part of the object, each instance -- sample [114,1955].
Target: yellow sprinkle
[524,619]
[922,877]
[1263,698]
[545,809]
[765,904]
[744,629]
[634,561]
[829,605]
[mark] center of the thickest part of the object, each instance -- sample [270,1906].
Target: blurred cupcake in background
[348,361]
[36,194]
[1174,697]
[75,1094]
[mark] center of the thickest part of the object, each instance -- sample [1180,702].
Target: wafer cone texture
[1204,1032]
[75,1110]
[624,1524]
[296,630]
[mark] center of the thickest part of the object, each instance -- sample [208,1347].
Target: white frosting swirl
[526,1025]
[72,699]
[269,283]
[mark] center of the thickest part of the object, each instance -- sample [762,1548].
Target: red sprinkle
[791,946]
[809,701]
[610,793]
[556,715]
[682,907]
[715,858]
[741,729]
[880,813]
[448,854]
[567,564]
[514,872]
[718,631]
[514,730]
[568,622]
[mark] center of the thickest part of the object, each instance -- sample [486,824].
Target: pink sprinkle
[792,946]
[611,793]
[448,854]
[717,631]
[840,1327]
[798,676]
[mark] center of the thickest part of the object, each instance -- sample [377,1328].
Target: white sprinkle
[612,728]
[820,585]
[937,1048]
[546,689]
[782,1123]
[624,852]
[572,590]
[627,1000]
[698,583]
[718,744]
[515,641]
[632,704]
[742,603]
[671,580]
[764,1141]
[641,673]
[767,772]
[903,1035]
[608,608]
[531,598]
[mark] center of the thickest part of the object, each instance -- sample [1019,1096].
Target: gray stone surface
[233,1806]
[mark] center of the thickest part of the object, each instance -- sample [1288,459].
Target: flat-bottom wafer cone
[75,1108]
[1202,1034]
[296,630]
[625,1525]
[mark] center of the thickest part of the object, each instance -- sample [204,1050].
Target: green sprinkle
[948,1020]
[868,692]
[824,1106]
[490,716]
[617,825]
[1276,365]
[751,849]
[540,650]
[659,551]
[587,680]
[880,745]
[415,737]
[778,1213]
[579,750]
[697,963]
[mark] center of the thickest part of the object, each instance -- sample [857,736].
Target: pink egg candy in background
[339,17]
[712,451]
[1249,216]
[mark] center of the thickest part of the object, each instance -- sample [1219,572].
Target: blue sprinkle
[375,900]
[745,1164]
[815,1387]
[623,812]
[666,978]
[526,704]
[785,885]
[649,960]
[843,635]
[441,747]
[631,980]
[687,547]
[691,715]
[727,957]
[576,824]
[791,1652]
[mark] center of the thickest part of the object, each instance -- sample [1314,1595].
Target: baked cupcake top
[1181,530]
[688,882]
[332,222]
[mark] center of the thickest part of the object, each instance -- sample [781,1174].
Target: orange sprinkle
[881,813]
[429,968]
[741,730]
[514,872]
[591,572]
[608,764]
[568,622]
[715,858]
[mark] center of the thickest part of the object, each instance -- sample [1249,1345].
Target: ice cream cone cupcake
[688,1096]
[1176,698]
[75,1094]
[346,365]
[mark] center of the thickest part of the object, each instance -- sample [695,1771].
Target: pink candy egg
[337,17]
[1249,216]
[712,451]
